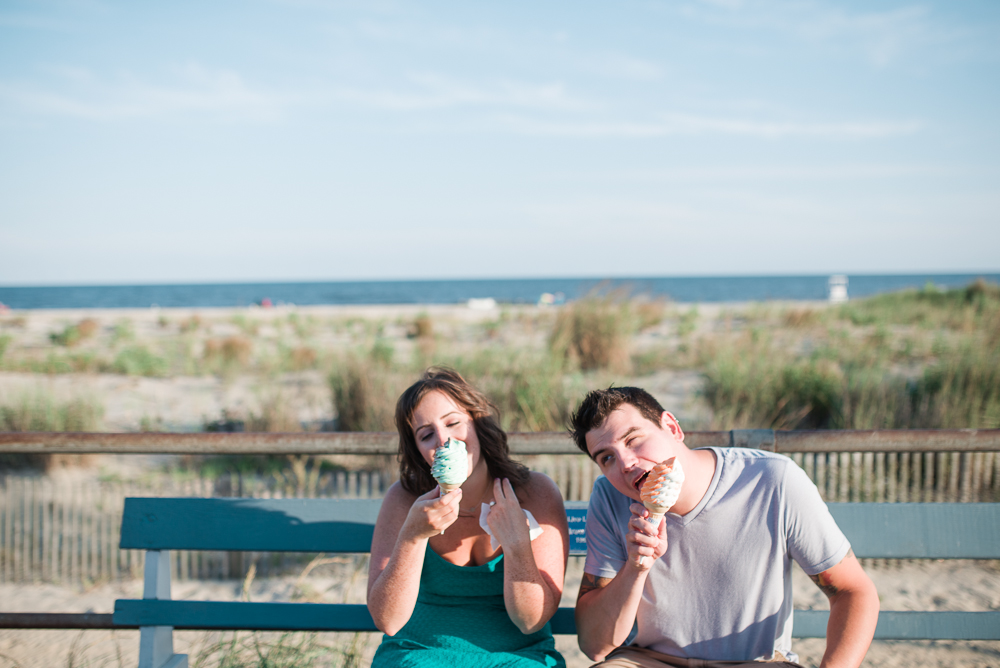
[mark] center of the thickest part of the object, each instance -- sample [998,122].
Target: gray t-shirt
[723,589]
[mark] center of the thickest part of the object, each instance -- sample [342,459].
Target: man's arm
[854,609]
[605,610]
[606,607]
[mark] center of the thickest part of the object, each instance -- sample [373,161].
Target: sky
[267,140]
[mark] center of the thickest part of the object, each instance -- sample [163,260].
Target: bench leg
[156,643]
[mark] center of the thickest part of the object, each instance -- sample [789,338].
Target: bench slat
[877,530]
[921,530]
[264,525]
[910,625]
[231,616]
[228,616]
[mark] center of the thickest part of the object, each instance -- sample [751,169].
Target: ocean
[515,291]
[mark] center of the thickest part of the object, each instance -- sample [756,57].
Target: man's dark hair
[598,404]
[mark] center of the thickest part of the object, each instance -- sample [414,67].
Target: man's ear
[670,423]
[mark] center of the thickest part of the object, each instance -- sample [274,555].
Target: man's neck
[699,469]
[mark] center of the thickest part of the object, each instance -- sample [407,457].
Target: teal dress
[460,620]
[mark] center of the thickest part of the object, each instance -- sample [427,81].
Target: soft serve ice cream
[451,465]
[661,488]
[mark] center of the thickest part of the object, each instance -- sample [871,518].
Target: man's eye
[605,459]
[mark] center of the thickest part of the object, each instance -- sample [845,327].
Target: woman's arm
[533,570]
[404,525]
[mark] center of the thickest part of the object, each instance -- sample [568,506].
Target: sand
[185,403]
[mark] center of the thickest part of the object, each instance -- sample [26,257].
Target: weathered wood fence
[65,529]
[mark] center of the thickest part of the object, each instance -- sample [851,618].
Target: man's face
[627,446]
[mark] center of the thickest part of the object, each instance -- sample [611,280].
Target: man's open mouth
[641,479]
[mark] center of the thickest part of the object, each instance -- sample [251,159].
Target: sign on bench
[158,525]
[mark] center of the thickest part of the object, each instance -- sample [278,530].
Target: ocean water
[516,291]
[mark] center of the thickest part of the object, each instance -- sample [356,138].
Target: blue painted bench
[158,525]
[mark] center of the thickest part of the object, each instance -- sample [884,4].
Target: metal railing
[522,443]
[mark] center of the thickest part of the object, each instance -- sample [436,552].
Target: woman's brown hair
[414,471]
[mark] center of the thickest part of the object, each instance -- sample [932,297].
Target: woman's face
[436,419]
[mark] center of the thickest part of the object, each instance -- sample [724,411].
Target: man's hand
[643,540]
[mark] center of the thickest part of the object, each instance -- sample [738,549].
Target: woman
[437,588]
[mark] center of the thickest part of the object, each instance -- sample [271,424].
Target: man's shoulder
[762,470]
[605,496]
[756,460]
[603,490]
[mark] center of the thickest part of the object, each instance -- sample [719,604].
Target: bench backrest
[878,530]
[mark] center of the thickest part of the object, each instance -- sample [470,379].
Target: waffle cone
[655,509]
[656,516]
[447,488]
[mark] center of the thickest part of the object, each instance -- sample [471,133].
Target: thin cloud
[754,173]
[197,90]
[432,91]
[684,124]
[621,66]
[881,37]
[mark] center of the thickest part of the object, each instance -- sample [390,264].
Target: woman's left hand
[507,520]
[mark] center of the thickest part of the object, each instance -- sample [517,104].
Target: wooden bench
[158,525]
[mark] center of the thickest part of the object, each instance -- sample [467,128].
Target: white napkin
[534,531]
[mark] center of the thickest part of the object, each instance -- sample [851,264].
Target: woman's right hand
[432,513]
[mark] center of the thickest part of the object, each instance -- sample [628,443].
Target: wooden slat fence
[65,530]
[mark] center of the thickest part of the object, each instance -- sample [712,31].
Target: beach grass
[595,333]
[39,411]
[921,358]
[917,359]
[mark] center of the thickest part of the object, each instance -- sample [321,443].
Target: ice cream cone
[451,465]
[445,489]
[660,491]
[656,514]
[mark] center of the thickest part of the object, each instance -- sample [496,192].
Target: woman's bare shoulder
[541,489]
[397,497]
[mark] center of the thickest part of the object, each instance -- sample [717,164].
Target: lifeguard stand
[838,288]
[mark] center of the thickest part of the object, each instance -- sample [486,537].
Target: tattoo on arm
[592,582]
[824,584]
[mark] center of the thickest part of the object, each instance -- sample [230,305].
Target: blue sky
[232,141]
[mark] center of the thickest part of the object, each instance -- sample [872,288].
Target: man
[715,583]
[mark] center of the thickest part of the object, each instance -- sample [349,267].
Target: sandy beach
[184,402]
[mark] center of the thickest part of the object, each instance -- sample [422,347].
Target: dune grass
[40,411]
[532,389]
[595,333]
[915,359]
